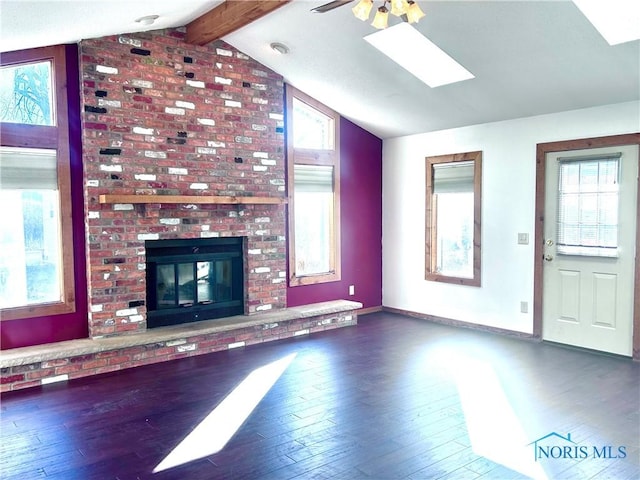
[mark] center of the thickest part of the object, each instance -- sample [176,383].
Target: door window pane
[587,221]
[26,94]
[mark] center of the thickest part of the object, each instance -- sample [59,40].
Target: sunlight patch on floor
[493,427]
[212,434]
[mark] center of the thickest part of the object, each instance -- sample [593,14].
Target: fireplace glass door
[199,283]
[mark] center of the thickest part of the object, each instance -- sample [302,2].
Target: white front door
[589,251]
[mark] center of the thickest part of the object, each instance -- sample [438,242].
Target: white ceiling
[528,57]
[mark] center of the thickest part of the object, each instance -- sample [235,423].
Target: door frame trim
[542,149]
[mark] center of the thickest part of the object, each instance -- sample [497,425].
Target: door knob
[549,242]
[548,258]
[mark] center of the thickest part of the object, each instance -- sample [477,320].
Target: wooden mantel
[195,199]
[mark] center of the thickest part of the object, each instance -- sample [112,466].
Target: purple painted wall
[361,223]
[56,328]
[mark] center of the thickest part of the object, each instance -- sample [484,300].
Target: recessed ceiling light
[418,55]
[280,48]
[147,20]
[618,21]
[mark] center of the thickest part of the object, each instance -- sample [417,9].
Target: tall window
[313,146]
[36,272]
[452,239]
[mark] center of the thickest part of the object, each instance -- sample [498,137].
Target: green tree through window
[26,94]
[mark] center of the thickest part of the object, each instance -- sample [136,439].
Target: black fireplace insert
[189,280]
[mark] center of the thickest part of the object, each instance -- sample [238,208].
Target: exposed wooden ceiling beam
[229,17]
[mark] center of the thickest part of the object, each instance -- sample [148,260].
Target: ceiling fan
[407,10]
[330,6]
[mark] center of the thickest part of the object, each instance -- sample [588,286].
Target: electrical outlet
[352,289]
[524,307]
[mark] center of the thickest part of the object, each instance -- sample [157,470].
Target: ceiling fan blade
[330,6]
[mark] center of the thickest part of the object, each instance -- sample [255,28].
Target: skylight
[618,21]
[418,55]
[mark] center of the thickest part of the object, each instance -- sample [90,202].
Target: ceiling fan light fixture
[279,48]
[147,20]
[414,12]
[399,7]
[363,9]
[381,20]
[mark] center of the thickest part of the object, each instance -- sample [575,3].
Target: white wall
[508,201]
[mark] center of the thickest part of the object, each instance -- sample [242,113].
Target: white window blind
[455,177]
[313,178]
[28,169]
[587,222]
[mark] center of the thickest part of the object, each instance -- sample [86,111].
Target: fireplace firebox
[189,280]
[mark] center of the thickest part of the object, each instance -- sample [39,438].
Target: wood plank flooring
[393,398]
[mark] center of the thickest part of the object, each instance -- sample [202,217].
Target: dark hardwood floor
[393,398]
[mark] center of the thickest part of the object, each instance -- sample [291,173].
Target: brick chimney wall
[164,117]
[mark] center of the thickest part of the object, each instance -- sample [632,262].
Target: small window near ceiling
[588,206]
[26,94]
[314,190]
[452,237]
[312,129]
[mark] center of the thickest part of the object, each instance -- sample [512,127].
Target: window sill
[295,281]
[39,310]
[469,282]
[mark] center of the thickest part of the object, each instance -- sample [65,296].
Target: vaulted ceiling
[528,57]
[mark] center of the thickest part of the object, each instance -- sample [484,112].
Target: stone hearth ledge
[72,348]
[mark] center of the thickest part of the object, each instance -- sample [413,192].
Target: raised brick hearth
[45,364]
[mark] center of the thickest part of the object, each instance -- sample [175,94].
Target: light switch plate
[523,239]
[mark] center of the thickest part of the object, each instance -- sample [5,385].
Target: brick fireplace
[164,120]
[187,143]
